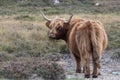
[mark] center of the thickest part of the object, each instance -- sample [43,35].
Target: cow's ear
[48,24]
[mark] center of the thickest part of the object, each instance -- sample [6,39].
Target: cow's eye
[59,28]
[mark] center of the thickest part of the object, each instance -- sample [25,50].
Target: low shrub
[15,70]
[26,68]
[50,71]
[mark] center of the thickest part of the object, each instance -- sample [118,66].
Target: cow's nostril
[51,35]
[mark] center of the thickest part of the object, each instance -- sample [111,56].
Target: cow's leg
[86,63]
[95,66]
[78,65]
[83,70]
[95,70]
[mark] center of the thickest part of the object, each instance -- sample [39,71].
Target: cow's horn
[47,19]
[69,19]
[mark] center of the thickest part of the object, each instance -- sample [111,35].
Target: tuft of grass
[116,55]
[7,48]
[25,17]
[4,57]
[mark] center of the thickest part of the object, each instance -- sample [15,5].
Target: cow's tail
[94,44]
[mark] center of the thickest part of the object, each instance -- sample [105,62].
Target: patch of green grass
[7,2]
[10,7]
[25,17]
[6,48]
[113,34]
[4,57]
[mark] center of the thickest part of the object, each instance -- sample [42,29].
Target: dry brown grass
[30,36]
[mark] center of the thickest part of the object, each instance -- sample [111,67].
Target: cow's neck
[70,27]
[64,37]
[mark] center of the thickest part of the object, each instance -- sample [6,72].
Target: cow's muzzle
[52,36]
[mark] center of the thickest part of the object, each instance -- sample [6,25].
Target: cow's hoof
[87,76]
[94,76]
[99,73]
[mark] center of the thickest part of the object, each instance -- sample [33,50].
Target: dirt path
[110,69]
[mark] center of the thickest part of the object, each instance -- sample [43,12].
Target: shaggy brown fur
[85,38]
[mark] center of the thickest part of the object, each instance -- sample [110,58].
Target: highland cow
[85,39]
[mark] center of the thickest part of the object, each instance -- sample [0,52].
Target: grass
[25,36]
[10,7]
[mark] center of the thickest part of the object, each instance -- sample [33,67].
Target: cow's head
[58,27]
